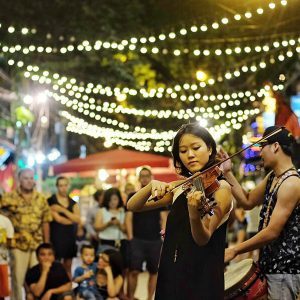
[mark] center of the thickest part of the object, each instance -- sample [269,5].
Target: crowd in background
[115,245]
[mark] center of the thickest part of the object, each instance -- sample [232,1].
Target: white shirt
[112,232]
[6,232]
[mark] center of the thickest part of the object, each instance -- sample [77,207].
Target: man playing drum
[278,234]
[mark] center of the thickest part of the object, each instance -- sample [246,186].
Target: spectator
[30,215]
[85,275]
[48,279]
[109,275]
[110,221]
[6,234]
[143,229]
[128,189]
[63,228]
[90,219]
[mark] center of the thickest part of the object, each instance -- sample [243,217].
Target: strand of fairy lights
[263,47]
[171,91]
[80,126]
[216,112]
[85,109]
[89,103]
[63,85]
[159,92]
[131,42]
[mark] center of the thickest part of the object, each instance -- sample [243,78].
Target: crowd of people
[177,234]
[42,236]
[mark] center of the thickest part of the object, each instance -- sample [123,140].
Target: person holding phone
[110,221]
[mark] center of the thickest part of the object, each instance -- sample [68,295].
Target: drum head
[236,272]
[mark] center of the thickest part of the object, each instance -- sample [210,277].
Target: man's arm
[38,287]
[244,199]
[61,289]
[288,197]
[46,232]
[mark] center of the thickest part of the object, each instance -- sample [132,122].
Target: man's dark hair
[44,246]
[61,178]
[283,137]
[86,246]
[145,168]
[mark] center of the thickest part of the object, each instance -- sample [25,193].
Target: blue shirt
[89,283]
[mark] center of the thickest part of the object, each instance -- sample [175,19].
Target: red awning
[113,159]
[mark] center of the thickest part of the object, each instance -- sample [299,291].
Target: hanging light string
[171,91]
[236,49]
[161,140]
[131,42]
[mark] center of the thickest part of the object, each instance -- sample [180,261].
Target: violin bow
[220,162]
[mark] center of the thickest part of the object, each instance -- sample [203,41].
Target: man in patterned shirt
[30,214]
[278,234]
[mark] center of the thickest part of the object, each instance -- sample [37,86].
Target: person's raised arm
[246,200]
[38,287]
[113,285]
[288,198]
[139,201]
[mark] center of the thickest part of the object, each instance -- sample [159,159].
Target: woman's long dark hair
[107,196]
[115,261]
[198,131]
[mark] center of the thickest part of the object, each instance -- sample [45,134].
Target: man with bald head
[30,214]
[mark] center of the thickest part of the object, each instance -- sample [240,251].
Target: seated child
[85,275]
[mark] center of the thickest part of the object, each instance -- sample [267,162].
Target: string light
[65,85]
[163,36]
[169,91]
[111,108]
[162,141]
[154,50]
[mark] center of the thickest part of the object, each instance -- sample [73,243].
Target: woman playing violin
[192,258]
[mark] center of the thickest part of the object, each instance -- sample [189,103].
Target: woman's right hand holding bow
[159,188]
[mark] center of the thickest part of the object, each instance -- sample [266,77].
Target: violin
[207,182]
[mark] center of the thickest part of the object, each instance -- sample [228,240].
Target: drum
[244,280]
